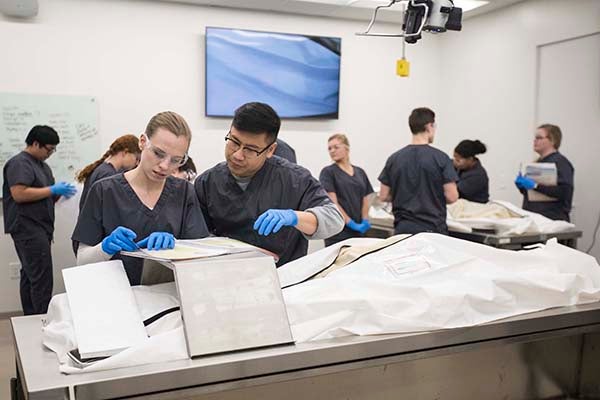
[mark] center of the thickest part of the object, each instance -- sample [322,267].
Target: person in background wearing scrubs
[122,155]
[546,143]
[286,151]
[187,171]
[473,182]
[349,187]
[264,200]
[28,197]
[145,207]
[419,180]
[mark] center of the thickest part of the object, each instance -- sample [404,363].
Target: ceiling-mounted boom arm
[421,15]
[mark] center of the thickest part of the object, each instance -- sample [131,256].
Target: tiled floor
[7,359]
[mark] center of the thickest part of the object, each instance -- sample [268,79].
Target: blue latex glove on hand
[63,189]
[271,221]
[120,239]
[524,182]
[365,225]
[355,226]
[158,241]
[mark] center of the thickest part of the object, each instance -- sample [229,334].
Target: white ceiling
[361,11]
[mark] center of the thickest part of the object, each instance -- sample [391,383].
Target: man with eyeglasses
[263,199]
[28,196]
[546,143]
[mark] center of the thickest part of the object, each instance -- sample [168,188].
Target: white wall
[139,58]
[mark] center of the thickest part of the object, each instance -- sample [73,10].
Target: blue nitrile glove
[524,182]
[518,183]
[271,221]
[355,226]
[120,239]
[364,226]
[63,189]
[158,241]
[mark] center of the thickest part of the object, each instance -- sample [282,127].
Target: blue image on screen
[299,76]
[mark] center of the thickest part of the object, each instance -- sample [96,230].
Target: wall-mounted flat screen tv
[297,75]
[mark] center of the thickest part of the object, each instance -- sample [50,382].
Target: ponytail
[85,173]
[127,143]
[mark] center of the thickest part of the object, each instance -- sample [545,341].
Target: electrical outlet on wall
[14,271]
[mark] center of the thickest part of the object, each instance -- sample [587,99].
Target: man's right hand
[355,226]
[63,189]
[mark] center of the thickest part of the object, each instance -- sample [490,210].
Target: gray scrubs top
[416,175]
[103,170]
[231,211]
[562,192]
[33,219]
[112,202]
[286,151]
[350,191]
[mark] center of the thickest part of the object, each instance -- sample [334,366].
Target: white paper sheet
[104,312]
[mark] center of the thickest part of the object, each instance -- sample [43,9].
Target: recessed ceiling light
[468,5]
[372,4]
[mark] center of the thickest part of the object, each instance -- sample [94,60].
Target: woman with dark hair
[122,155]
[473,183]
[187,171]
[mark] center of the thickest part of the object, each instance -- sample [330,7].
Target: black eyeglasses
[50,150]
[248,152]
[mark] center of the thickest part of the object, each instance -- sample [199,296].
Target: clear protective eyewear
[161,155]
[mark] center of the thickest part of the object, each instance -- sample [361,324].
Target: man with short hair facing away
[419,180]
[263,199]
[546,144]
[28,196]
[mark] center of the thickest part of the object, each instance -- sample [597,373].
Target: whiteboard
[75,118]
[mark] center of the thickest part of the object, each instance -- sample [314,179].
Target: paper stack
[543,174]
[191,249]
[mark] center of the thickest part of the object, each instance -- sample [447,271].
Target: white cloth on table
[501,216]
[422,283]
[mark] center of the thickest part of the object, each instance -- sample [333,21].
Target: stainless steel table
[549,354]
[383,228]
[515,242]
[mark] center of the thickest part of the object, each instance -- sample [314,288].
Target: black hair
[257,118]
[188,166]
[470,148]
[42,134]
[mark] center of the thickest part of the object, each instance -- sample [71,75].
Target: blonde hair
[341,137]
[127,143]
[170,121]
[554,134]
